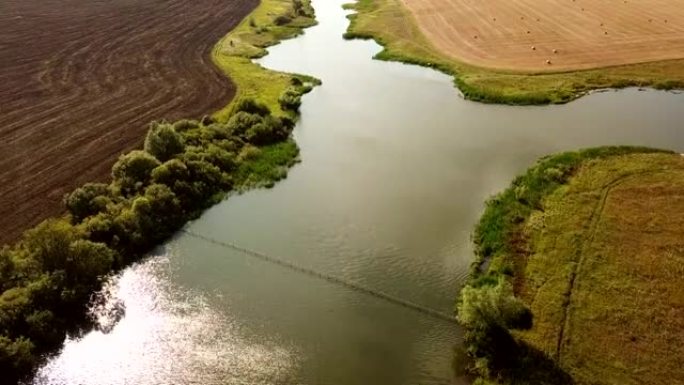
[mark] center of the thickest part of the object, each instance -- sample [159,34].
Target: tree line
[48,276]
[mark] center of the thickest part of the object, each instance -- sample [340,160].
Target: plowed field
[81,79]
[522,35]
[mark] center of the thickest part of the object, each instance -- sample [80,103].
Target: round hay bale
[548,61]
[555,50]
[534,48]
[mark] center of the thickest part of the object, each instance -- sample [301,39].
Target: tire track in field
[594,221]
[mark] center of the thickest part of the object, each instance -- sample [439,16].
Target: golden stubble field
[605,272]
[552,35]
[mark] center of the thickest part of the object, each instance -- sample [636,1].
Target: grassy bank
[48,276]
[271,22]
[392,26]
[584,248]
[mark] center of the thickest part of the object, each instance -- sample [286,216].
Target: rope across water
[330,278]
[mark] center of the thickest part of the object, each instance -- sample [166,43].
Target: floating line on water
[328,277]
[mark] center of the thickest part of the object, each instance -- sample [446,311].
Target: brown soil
[522,35]
[80,80]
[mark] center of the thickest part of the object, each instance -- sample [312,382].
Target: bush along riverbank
[490,307]
[392,26]
[47,277]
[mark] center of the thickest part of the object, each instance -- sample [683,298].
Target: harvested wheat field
[605,272]
[553,35]
[80,80]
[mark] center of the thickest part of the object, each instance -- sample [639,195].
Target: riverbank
[271,22]
[586,244]
[48,276]
[392,26]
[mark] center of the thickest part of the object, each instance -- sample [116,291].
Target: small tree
[251,106]
[290,99]
[133,170]
[170,172]
[163,142]
[269,131]
[488,312]
[87,200]
[242,121]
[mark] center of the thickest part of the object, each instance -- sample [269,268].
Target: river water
[395,169]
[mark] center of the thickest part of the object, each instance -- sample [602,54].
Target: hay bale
[534,48]
[555,50]
[548,61]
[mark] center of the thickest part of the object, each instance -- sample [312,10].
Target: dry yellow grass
[605,274]
[521,35]
[396,27]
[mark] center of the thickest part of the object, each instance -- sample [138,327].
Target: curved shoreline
[393,27]
[235,52]
[531,253]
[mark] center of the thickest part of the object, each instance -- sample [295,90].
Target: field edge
[391,25]
[505,242]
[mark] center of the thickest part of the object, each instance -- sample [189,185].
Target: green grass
[265,166]
[249,40]
[590,244]
[393,27]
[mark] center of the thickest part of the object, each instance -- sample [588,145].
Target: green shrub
[185,125]
[169,172]
[163,142]
[290,99]
[242,121]
[133,171]
[251,106]
[16,358]
[87,200]
[269,130]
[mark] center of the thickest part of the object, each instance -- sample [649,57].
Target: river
[395,169]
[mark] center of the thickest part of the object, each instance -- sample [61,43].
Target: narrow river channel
[395,169]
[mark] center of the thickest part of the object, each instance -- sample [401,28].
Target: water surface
[395,169]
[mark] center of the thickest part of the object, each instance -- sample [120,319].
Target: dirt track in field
[81,79]
[501,34]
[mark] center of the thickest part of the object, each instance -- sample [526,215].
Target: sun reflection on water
[167,335]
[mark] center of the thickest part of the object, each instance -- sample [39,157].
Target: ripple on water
[182,338]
